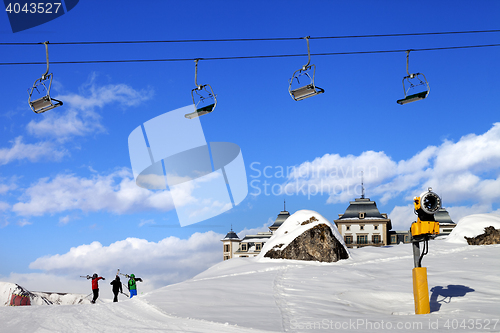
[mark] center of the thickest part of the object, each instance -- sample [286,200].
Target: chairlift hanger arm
[306,66]
[47,56]
[196,74]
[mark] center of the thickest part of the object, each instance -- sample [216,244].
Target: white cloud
[23,223]
[168,261]
[465,171]
[116,192]
[64,220]
[78,116]
[145,222]
[30,152]
[254,231]
[4,206]
[402,217]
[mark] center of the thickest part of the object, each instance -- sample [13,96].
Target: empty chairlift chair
[204,99]
[308,90]
[415,86]
[41,89]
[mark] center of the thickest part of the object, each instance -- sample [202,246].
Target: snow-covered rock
[473,225]
[306,235]
[39,298]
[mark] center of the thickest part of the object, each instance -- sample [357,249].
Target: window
[347,227]
[375,227]
[361,227]
[362,215]
[362,239]
[244,247]
[226,247]
[393,239]
[348,239]
[226,257]
[376,239]
[258,246]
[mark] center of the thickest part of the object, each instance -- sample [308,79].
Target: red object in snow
[20,300]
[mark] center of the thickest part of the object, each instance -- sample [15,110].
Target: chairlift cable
[250,57]
[259,39]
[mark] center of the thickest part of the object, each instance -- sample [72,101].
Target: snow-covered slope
[369,292]
[294,226]
[473,225]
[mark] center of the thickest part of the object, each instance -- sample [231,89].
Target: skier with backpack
[95,286]
[132,287]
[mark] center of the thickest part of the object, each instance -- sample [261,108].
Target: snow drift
[473,225]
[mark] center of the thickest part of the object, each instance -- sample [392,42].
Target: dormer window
[362,215]
[258,246]
[244,247]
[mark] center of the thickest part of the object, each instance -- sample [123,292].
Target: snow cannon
[425,207]
[426,227]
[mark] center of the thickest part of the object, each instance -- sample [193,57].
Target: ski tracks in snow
[279,288]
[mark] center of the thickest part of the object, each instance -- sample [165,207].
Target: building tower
[231,243]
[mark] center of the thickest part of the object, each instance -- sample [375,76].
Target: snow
[370,291]
[473,225]
[294,226]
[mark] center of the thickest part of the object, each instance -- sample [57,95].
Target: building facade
[363,225]
[250,245]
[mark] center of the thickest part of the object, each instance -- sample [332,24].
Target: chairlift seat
[305,92]
[44,103]
[413,98]
[201,111]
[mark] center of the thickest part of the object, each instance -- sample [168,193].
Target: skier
[117,287]
[132,286]
[95,286]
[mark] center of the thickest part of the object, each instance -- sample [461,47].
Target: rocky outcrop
[490,236]
[317,243]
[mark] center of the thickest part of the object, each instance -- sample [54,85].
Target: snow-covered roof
[294,226]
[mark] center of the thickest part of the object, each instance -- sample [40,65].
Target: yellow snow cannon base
[421,290]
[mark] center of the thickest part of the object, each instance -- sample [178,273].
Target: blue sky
[68,202]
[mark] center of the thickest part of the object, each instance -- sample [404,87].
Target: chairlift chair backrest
[44,103]
[306,91]
[204,108]
[410,79]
